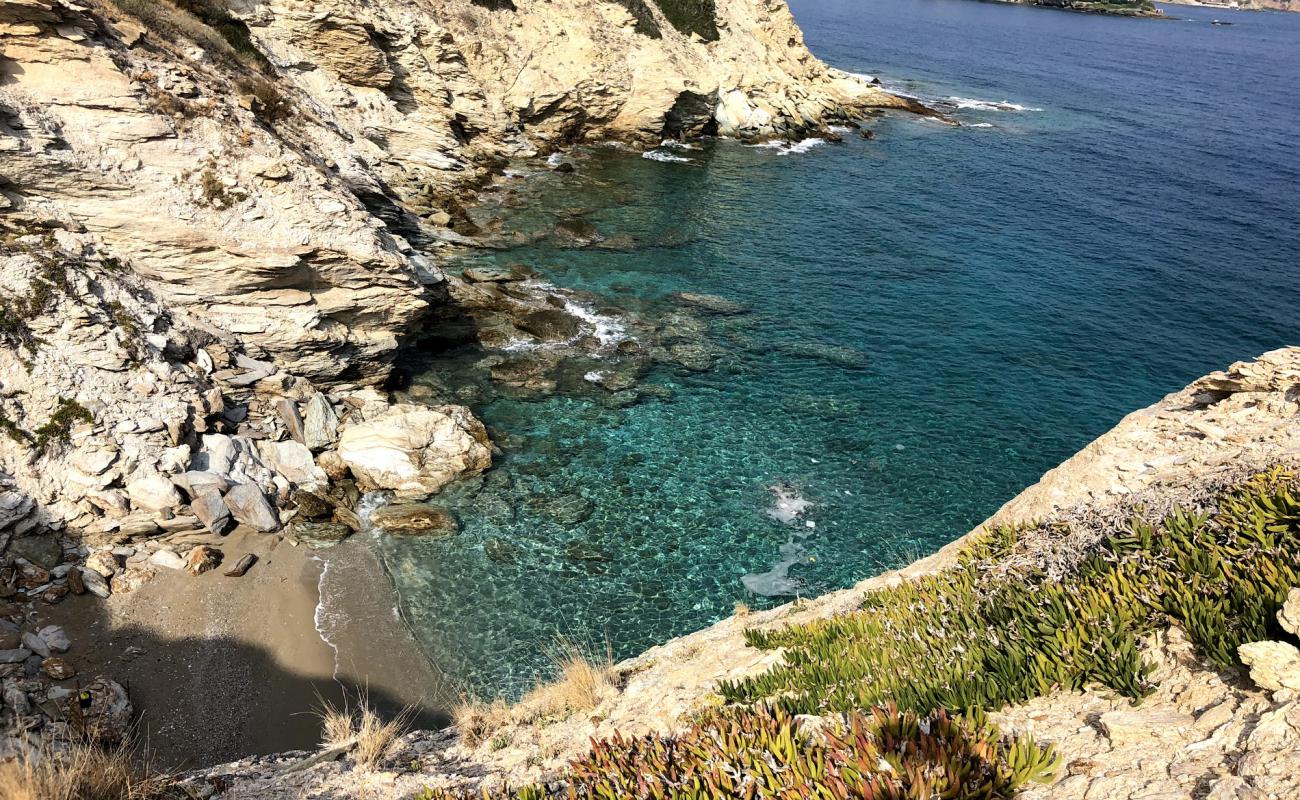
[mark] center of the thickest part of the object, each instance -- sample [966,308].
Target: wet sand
[220,668]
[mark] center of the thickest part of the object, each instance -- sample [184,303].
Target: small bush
[59,429]
[269,104]
[692,16]
[477,721]
[361,729]
[11,429]
[582,682]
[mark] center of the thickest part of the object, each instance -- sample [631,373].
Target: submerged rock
[550,325]
[415,519]
[712,303]
[579,550]
[416,450]
[501,551]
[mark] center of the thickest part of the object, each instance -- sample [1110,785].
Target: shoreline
[223,668]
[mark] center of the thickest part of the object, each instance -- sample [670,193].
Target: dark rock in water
[623,243]
[500,551]
[695,356]
[489,275]
[242,566]
[549,324]
[415,519]
[624,399]
[564,167]
[711,303]
[577,232]
[568,509]
[44,551]
[838,355]
[867,133]
[319,535]
[578,550]
[312,506]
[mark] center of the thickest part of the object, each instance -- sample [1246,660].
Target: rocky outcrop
[263,174]
[416,450]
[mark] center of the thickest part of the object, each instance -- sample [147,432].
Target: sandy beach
[221,667]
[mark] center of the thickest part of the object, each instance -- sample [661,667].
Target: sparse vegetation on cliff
[59,428]
[1000,628]
[765,752]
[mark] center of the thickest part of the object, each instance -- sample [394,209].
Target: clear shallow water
[936,317]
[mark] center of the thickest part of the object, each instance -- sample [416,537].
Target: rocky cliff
[271,167]
[210,208]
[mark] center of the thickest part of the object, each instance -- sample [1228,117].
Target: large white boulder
[416,450]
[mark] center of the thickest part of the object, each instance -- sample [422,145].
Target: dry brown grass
[477,720]
[81,772]
[582,682]
[741,609]
[358,727]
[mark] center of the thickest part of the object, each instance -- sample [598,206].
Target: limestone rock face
[1273,665]
[416,450]
[1289,616]
[283,210]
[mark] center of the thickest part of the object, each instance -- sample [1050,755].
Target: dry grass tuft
[81,772]
[582,682]
[741,609]
[477,720]
[360,728]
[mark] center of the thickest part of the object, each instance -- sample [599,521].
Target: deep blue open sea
[937,316]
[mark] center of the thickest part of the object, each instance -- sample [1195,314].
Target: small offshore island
[1121,8]
[301,304]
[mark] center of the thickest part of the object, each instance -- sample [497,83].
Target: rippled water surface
[935,317]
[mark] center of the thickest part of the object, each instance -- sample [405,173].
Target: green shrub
[11,429]
[986,633]
[692,16]
[762,752]
[59,429]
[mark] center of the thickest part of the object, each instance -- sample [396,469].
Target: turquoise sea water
[936,316]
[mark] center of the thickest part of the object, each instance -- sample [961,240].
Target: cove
[931,319]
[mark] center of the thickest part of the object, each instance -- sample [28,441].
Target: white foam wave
[981,125]
[659,155]
[972,104]
[789,506]
[554,159]
[673,144]
[609,331]
[786,148]
[323,614]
